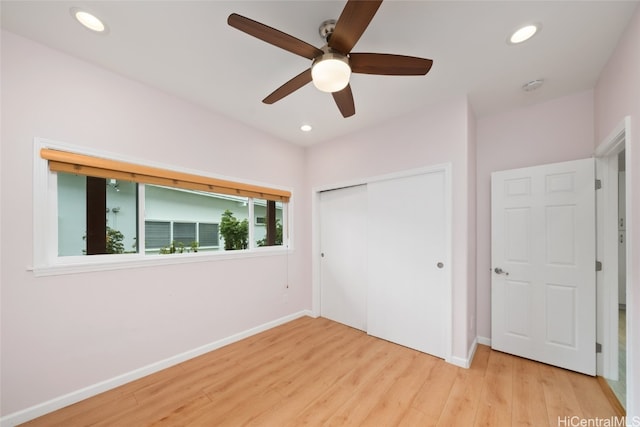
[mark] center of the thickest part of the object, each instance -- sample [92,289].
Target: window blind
[184,232]
[157,234]
[80,164]
[208,234]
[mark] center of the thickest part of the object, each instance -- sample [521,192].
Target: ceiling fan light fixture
[331,72]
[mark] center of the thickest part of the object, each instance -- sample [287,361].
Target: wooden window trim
[80,164]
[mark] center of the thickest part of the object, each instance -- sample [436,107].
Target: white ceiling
[186,48]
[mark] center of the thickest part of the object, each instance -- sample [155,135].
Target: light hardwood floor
[317,372]
[620,387]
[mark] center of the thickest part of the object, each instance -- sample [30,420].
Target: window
[129,211]
[269,222]
[82,201]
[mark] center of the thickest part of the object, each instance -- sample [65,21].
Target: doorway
[614,225]
[619,385]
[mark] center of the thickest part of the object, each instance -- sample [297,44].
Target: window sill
[74,265]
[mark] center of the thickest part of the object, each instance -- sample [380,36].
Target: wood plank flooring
[315,372]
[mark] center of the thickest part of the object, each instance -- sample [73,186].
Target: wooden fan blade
[289,87]
[354,19]
[344,100]
[389,65]
[273,36]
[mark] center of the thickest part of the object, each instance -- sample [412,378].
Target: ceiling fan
[333,64]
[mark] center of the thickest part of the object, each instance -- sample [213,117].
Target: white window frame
[46,261]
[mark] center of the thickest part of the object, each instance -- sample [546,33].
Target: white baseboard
[484,341]
[95,389]
[465,362]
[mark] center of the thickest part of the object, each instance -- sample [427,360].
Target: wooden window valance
[80,164]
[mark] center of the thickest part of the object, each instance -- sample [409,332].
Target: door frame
[315,239]
[606,155]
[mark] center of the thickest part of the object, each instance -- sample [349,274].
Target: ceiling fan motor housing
[326,29]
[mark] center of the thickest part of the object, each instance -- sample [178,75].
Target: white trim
[251,225]
[448,305]
[619,139]
[141,218]
[465,363]
[315,235]
[74,265]
[95,389]
[607,253]
[315,252]
[615,142]
[484,341]
[633,314]
[287,225]
[376,178]
[45,224]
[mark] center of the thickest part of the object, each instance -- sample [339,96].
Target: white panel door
[543,264]
[408,262]
[343,259]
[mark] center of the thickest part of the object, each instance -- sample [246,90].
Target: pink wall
[617,95]
[550,132]
[423,138]
[63,333]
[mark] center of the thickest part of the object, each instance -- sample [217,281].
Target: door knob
[498,270]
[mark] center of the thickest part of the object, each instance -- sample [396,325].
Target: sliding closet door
[408,261]
[343,259]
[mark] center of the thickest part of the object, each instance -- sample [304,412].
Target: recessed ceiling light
[523,34]
[306,128]
[89,20]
